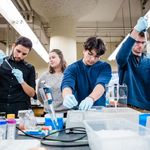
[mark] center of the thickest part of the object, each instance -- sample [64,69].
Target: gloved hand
[142,24]
[18,74]
[2,56]
[86,104]
[70,101]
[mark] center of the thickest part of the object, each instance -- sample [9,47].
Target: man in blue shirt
[84,81]
[134,67]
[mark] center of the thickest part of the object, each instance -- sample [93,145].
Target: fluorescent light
[113,55]
[13,16]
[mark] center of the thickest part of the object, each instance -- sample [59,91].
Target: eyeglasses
[140,42]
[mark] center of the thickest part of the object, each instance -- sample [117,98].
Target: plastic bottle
[3,126]
[11,129]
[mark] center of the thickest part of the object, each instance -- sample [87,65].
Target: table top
[68,136]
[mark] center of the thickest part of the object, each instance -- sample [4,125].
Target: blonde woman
[53,78]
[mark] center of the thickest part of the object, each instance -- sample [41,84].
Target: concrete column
[63,37]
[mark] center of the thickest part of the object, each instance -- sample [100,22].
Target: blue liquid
[48,122]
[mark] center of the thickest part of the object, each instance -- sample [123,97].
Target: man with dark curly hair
[17,78]
[84,81]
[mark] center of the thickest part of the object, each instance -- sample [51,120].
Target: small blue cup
[49,122]
[143,119]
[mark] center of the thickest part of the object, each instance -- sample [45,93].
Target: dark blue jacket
[135,74]
[82,79]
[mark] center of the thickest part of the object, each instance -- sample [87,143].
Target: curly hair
[94,43]
[62,61]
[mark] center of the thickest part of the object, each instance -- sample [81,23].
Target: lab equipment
[116,133]
[8,64]
[116,95]
[27,119]
[2,115]
[48,122]
[75,117]
[148,122]
[3,127]
[143,118]
[47,97]
[11,129]
[10,116]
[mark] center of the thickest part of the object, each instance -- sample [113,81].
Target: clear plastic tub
[117,134]
[75,117]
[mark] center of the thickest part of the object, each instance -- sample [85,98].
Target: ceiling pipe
[21,5]
[103,28]
[27,5]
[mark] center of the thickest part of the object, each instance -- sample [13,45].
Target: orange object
[10,116]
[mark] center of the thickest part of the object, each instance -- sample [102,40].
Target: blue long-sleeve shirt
[82,79]
[136,75]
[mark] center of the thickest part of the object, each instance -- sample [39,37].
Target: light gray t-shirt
[54,81]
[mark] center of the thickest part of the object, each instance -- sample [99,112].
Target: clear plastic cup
[116,95]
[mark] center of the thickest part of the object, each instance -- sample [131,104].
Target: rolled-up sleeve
[69,78]
[105,75]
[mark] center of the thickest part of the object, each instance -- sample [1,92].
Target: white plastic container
[75,117]
[116,134]
[11,129]
[3,126]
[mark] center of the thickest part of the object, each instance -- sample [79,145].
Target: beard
[16,59]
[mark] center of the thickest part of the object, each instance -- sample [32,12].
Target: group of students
[81,84]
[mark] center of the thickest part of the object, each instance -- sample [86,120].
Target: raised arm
[126,48]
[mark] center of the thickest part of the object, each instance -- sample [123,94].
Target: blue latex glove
[70,101]
[2,56]
[18,74]
[142,24]
[86,104]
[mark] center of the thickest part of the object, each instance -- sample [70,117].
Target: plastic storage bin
[119,112]
[116,134]
[75,117]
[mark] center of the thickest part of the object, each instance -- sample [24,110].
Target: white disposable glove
[18,74]
[142,24]
[86,104]
[70,101]
[2,56]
